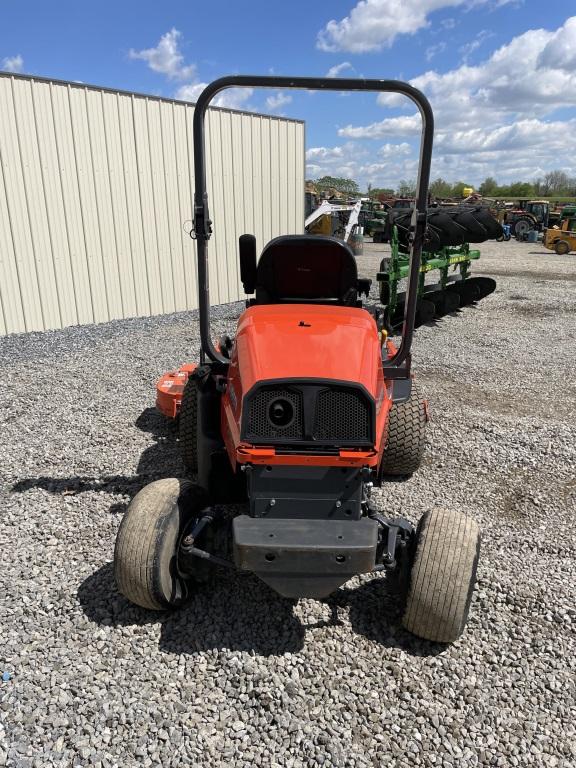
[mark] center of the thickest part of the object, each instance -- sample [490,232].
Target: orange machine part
[282,341]
[247,454]
[169,389]
[304,341]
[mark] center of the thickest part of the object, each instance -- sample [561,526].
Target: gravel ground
[242,677]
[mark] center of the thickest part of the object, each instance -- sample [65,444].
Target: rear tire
[146,551]
[189,426]
[562,247]
[522,226]
[406,436]
[443,575]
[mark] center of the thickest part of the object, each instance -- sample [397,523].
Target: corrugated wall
[96,185]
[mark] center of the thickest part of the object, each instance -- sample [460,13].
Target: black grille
[342,415]
[260,427]
[324,415]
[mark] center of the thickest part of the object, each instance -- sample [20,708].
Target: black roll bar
[202,225]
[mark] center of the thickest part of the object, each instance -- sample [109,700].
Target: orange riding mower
[289,425]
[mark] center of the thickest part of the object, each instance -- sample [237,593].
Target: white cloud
[514,82]
[166,57]
[231,98]
[324,153]
[497,118]
[390,126]
[560,50]
[434,50]
[337,69]
[538,136]
[353,160]
[13,63]
[190,92]
[375,24]
[234,98]
[394,150]
[278,100]
[468,48]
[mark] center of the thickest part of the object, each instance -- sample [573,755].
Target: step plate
[305,558]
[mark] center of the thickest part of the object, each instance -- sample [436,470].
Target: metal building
[96,186]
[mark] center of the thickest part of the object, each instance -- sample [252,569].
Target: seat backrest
[306,268]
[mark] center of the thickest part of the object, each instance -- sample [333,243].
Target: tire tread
[189,425]
[137,540]
[443,575]
[406,436]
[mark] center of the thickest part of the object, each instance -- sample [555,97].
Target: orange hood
[303,341]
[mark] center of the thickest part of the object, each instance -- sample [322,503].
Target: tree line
[553,184]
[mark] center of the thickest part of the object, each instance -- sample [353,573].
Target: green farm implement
[454,287]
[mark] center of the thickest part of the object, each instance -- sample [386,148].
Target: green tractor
[373,218]
[376,217]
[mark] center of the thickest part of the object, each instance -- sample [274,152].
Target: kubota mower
[299,415]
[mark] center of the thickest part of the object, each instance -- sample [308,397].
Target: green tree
[458,189]
[381,193]
[440,188]
[556,183]
[521,189]
[489,187]
[406,188]
[346,186]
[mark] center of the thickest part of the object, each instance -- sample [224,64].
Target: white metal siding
[95,187]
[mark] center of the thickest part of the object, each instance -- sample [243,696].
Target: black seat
[307,268]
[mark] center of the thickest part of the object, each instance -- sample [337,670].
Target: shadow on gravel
[161,459]
[238,612]
[375,612]
[235,611]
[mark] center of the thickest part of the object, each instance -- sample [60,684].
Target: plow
[446,256]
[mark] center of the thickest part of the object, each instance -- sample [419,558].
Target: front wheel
[146,552]
[562,247]
[442,576]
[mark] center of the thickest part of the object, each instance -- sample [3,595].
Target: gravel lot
[242,677]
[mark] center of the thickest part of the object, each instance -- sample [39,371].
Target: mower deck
[170,388]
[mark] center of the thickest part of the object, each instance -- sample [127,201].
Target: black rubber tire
[189,425]
[475,231]
[145,555]
[562,247]
[522,226]
[442,576]
[406,436]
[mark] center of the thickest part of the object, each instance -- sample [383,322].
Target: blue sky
[501,74]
